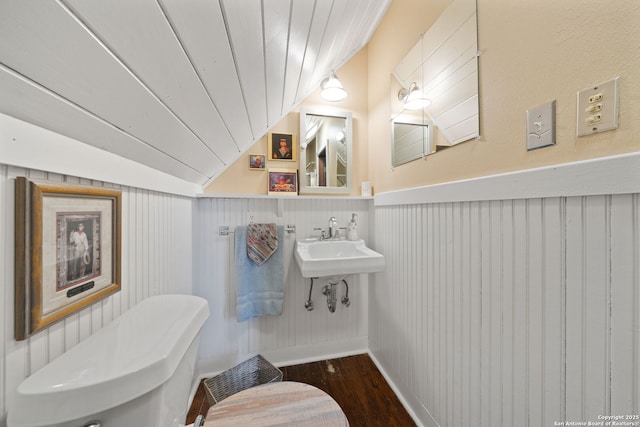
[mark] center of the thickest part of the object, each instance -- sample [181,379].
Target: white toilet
[135,372]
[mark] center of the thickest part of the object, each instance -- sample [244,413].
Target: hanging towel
[262,242]
[259,288]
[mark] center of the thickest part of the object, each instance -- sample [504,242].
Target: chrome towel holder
[224,230]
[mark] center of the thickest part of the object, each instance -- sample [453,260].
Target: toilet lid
[129,357]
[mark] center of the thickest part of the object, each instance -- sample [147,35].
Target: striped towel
[262,242]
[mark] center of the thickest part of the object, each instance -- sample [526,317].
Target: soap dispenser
[352,228]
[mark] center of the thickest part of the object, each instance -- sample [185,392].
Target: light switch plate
[598,108]
[541,126]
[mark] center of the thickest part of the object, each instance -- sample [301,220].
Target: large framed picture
[68,248]
[283,182]
[282,146]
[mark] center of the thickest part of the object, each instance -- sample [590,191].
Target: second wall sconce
[413,98]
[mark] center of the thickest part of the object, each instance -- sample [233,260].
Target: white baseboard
[291,356]
[326,351]
[317,352]
[411,409]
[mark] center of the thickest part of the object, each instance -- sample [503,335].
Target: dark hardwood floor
[354,382]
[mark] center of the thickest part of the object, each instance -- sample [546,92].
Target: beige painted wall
[532,52]
[238,179]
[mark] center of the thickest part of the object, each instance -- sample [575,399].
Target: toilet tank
[136,371]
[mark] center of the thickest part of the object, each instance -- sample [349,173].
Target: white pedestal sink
[332,260]
[336,258]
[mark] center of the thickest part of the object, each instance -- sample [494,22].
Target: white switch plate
[541,126]
[598,108]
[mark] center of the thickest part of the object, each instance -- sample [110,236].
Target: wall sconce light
[331,89]
[413,98]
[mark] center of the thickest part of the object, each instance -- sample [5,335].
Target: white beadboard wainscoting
[156,259]
[298,335]
[515,312]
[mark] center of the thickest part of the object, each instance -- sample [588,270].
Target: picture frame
[282,147]
[257,162]
[67,251]
[283,182]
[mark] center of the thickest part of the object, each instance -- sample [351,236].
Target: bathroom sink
[336,258]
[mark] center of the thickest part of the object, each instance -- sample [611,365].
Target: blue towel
[259,288]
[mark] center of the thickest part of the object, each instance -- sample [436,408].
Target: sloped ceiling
[182,86]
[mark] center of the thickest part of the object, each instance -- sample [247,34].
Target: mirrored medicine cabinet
[326,153]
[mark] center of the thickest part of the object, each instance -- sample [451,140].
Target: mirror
[325,152]
[411,141]
[443,68]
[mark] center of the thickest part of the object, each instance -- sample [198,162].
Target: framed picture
[282,146]
[67,243]
[257,162]
[283,182]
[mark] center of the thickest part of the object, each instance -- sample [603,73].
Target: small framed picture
[257,162]
[283,182]
[282,146]
[67,245]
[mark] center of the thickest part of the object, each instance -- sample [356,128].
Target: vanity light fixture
[331,89]
[413,98]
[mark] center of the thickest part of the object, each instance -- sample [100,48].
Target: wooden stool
[284,403]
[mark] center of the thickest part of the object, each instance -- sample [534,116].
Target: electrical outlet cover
[598,108]
[541,126]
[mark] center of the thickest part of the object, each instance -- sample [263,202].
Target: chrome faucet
[332,231]
[333,227]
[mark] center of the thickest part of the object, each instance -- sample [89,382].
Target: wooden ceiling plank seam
[85,25]
[276,22]
[257,120]
[341,41]
[301,18]
[19,76]
[144,39]
[280,78]
[202,28]
[375,20]
[366,21]
[296,93]
[372,17]
[236,67]
[286,59]
[350,44]
[46,44]
[197,73]
[327,39]
[313,81]
[265,61]
[337,17]
[353,41]
[321,10]
[265,72]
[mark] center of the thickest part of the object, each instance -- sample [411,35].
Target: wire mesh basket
[250,373]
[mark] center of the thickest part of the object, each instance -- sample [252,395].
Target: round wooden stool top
[284,403]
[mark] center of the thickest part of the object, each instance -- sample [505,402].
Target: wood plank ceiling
[181,86]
